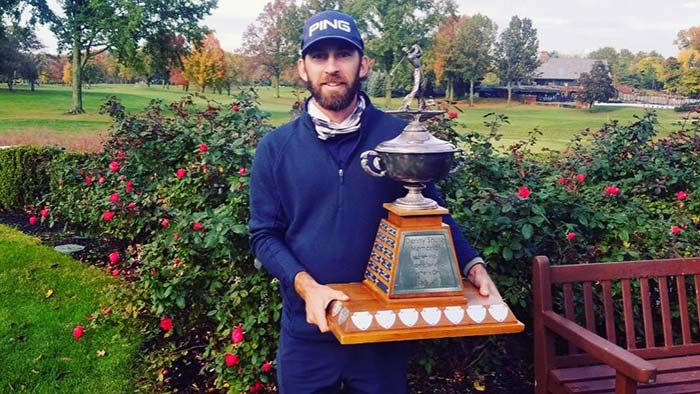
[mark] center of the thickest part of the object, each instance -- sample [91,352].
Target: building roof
[558,68]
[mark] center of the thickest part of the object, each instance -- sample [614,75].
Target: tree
[596,85]
[391,25]
[516,52]
[274,38]
[16,59]
[89,27]
[689,38]
[205,65]
[22,14]
[651,69]
[444,55]
[474,43]
[671,74]
[178,78]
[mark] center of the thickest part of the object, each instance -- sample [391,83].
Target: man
[314,214]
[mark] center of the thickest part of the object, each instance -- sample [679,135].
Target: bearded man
[314,214]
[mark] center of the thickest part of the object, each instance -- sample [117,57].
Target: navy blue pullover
[314,210]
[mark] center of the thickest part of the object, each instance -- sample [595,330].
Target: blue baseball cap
[330,24]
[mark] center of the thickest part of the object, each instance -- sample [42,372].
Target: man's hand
[481,279]
[316,297]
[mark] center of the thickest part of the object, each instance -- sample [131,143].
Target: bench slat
[646,312]
[588,306]
[663,365]
[609,312]
[671,382]
[683,308]
[628,315]
[665,311]
[623,270]
[569,310]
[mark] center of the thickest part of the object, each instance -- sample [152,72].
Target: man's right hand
[316,297]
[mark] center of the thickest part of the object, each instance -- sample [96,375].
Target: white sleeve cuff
[472,263]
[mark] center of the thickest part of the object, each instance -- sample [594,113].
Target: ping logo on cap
[324,24]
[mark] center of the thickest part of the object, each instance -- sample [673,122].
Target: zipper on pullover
[340,174]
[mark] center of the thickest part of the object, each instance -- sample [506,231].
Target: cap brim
[314,41]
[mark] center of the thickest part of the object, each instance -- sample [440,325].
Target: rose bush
[173,191]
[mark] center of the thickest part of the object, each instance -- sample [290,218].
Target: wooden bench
[659,352]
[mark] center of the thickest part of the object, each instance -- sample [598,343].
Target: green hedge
[24,175]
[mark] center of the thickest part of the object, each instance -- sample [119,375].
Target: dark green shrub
[688,107]
[24,175]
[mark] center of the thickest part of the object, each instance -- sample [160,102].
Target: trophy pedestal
[413,288]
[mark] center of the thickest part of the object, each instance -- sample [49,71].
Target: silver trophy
[414,157]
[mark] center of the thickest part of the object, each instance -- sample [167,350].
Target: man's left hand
[482,281]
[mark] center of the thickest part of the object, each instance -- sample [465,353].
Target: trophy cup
[413,287]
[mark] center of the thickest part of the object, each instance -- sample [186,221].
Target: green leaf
[527,230]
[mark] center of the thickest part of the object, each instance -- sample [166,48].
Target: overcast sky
[574,27]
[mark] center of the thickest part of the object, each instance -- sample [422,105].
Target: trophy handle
[461,157]
[376,167]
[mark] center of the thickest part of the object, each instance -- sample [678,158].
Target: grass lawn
[40,117]
[38,353]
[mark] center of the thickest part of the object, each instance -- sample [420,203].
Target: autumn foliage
[205,66]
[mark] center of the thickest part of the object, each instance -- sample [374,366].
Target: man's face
[332,70]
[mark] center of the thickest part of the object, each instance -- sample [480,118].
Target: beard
[334,101]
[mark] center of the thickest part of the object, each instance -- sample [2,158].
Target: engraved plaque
[426,263]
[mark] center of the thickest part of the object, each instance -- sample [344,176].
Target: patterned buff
[326,128]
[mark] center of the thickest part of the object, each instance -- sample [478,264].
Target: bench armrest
[600,348]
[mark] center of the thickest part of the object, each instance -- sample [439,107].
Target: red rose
[680,196]
[242,171]
[176,261]
[196,226]
[131,205]
[129,185]
[180,173]
[266,366]
[164,222]
[561,180]
[523,192]
[114,257]
[581,177]
[44,212]
[114,166]
[176,235]
[78,332]
[675,230]
[107,216]
[153,272]
[203,148]
[237,334]
[205,167]
[611,190]
[164,372]
[166,323]
[120,154]
[570,236]
[256,388]
[452,114]
[115,272]
[231,359]
[32,220]
[88,180]
[234,108]
[101,180]
[114,198]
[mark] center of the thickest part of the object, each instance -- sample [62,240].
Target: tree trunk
[77,83]
[471,92]
[510,90]
[32,84]
[387,90]
[276,84]
[450,89]
[228,89]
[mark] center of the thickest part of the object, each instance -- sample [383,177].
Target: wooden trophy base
[366,318]
[413,288]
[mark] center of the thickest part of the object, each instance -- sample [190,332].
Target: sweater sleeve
[467,257]
[268,223]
